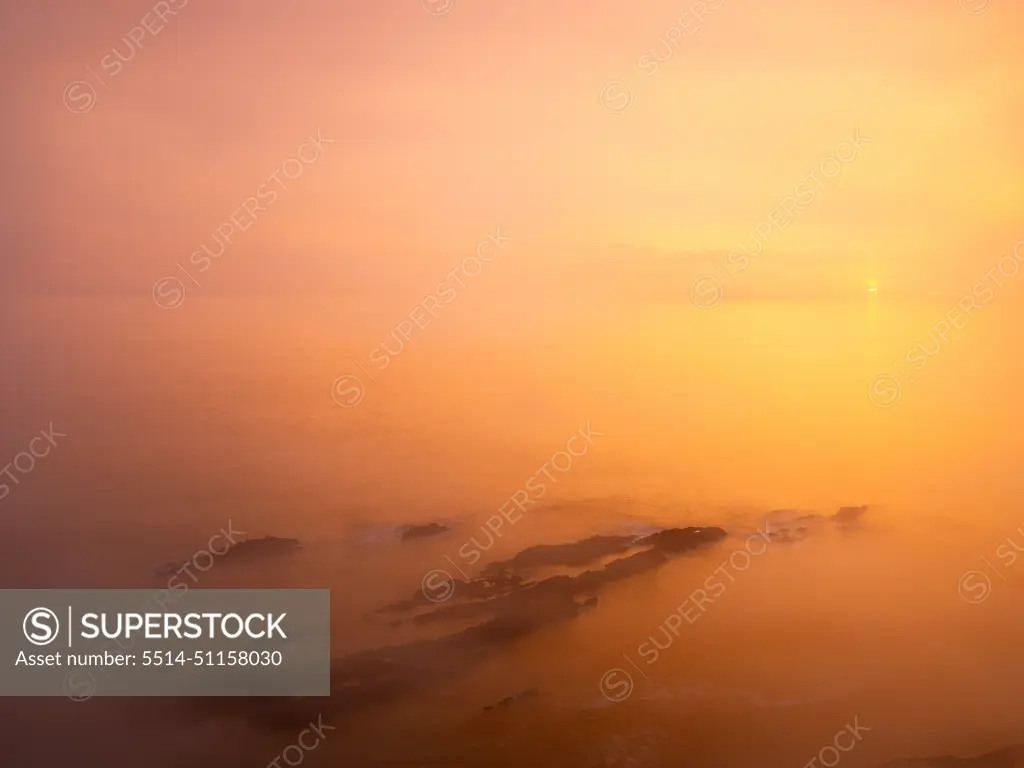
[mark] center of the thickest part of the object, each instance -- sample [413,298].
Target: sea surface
[176,424]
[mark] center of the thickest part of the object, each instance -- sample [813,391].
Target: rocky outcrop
[425,531]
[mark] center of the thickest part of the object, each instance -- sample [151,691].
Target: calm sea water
[178,422]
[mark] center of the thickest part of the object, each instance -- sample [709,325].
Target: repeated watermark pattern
[690,22]
[80,96]
[885,390]
[349,389]
[438,585]
[849,734]
[438,7]
[210,553]
[974,7]
[81,685]
[617,95]
[295,753]
[169,292]
[24,462]
[616,684]
[975,586]
[707,290]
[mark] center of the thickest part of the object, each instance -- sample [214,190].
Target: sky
[691,206]
[551,120]
[765,250]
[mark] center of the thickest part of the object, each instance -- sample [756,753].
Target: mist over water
[179,427]
[641,378]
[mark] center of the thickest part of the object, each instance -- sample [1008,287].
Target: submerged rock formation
[509,610]
[413,532]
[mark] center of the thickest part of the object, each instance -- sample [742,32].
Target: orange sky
[491,114]
[623,187]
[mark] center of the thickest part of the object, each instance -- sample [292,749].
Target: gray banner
[206,642]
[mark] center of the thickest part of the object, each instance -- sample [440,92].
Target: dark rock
[682,539]
[268,545]
[575,554]
[474,589]
[500,587]
[412,532]
[247,549]
[508,701]
[847,515]
[557,594]
[503,703]
[510,609]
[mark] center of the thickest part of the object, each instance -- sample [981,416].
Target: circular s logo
[974,587]
[168,293]
[438,7]
[438,586]
[884,391]
[974,7]
[706,291]
[41,626]
[348,391]
[616,97]
[79,686]
[616,685]
[79,97]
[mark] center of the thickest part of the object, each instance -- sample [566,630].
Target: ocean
[169,427]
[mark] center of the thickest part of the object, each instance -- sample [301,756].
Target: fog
[169,429]
[641,379]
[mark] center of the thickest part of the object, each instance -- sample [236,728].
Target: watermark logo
[850,735]
[690,23]
[80,685]
[616,685]
[25,462]
[616,97]
[974,7]
[169,293]
[79,97]
[349,389]
[438,585]
[974,587]
[295,753]
[706,291]
[438,7]
[41,626]
[885,391]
